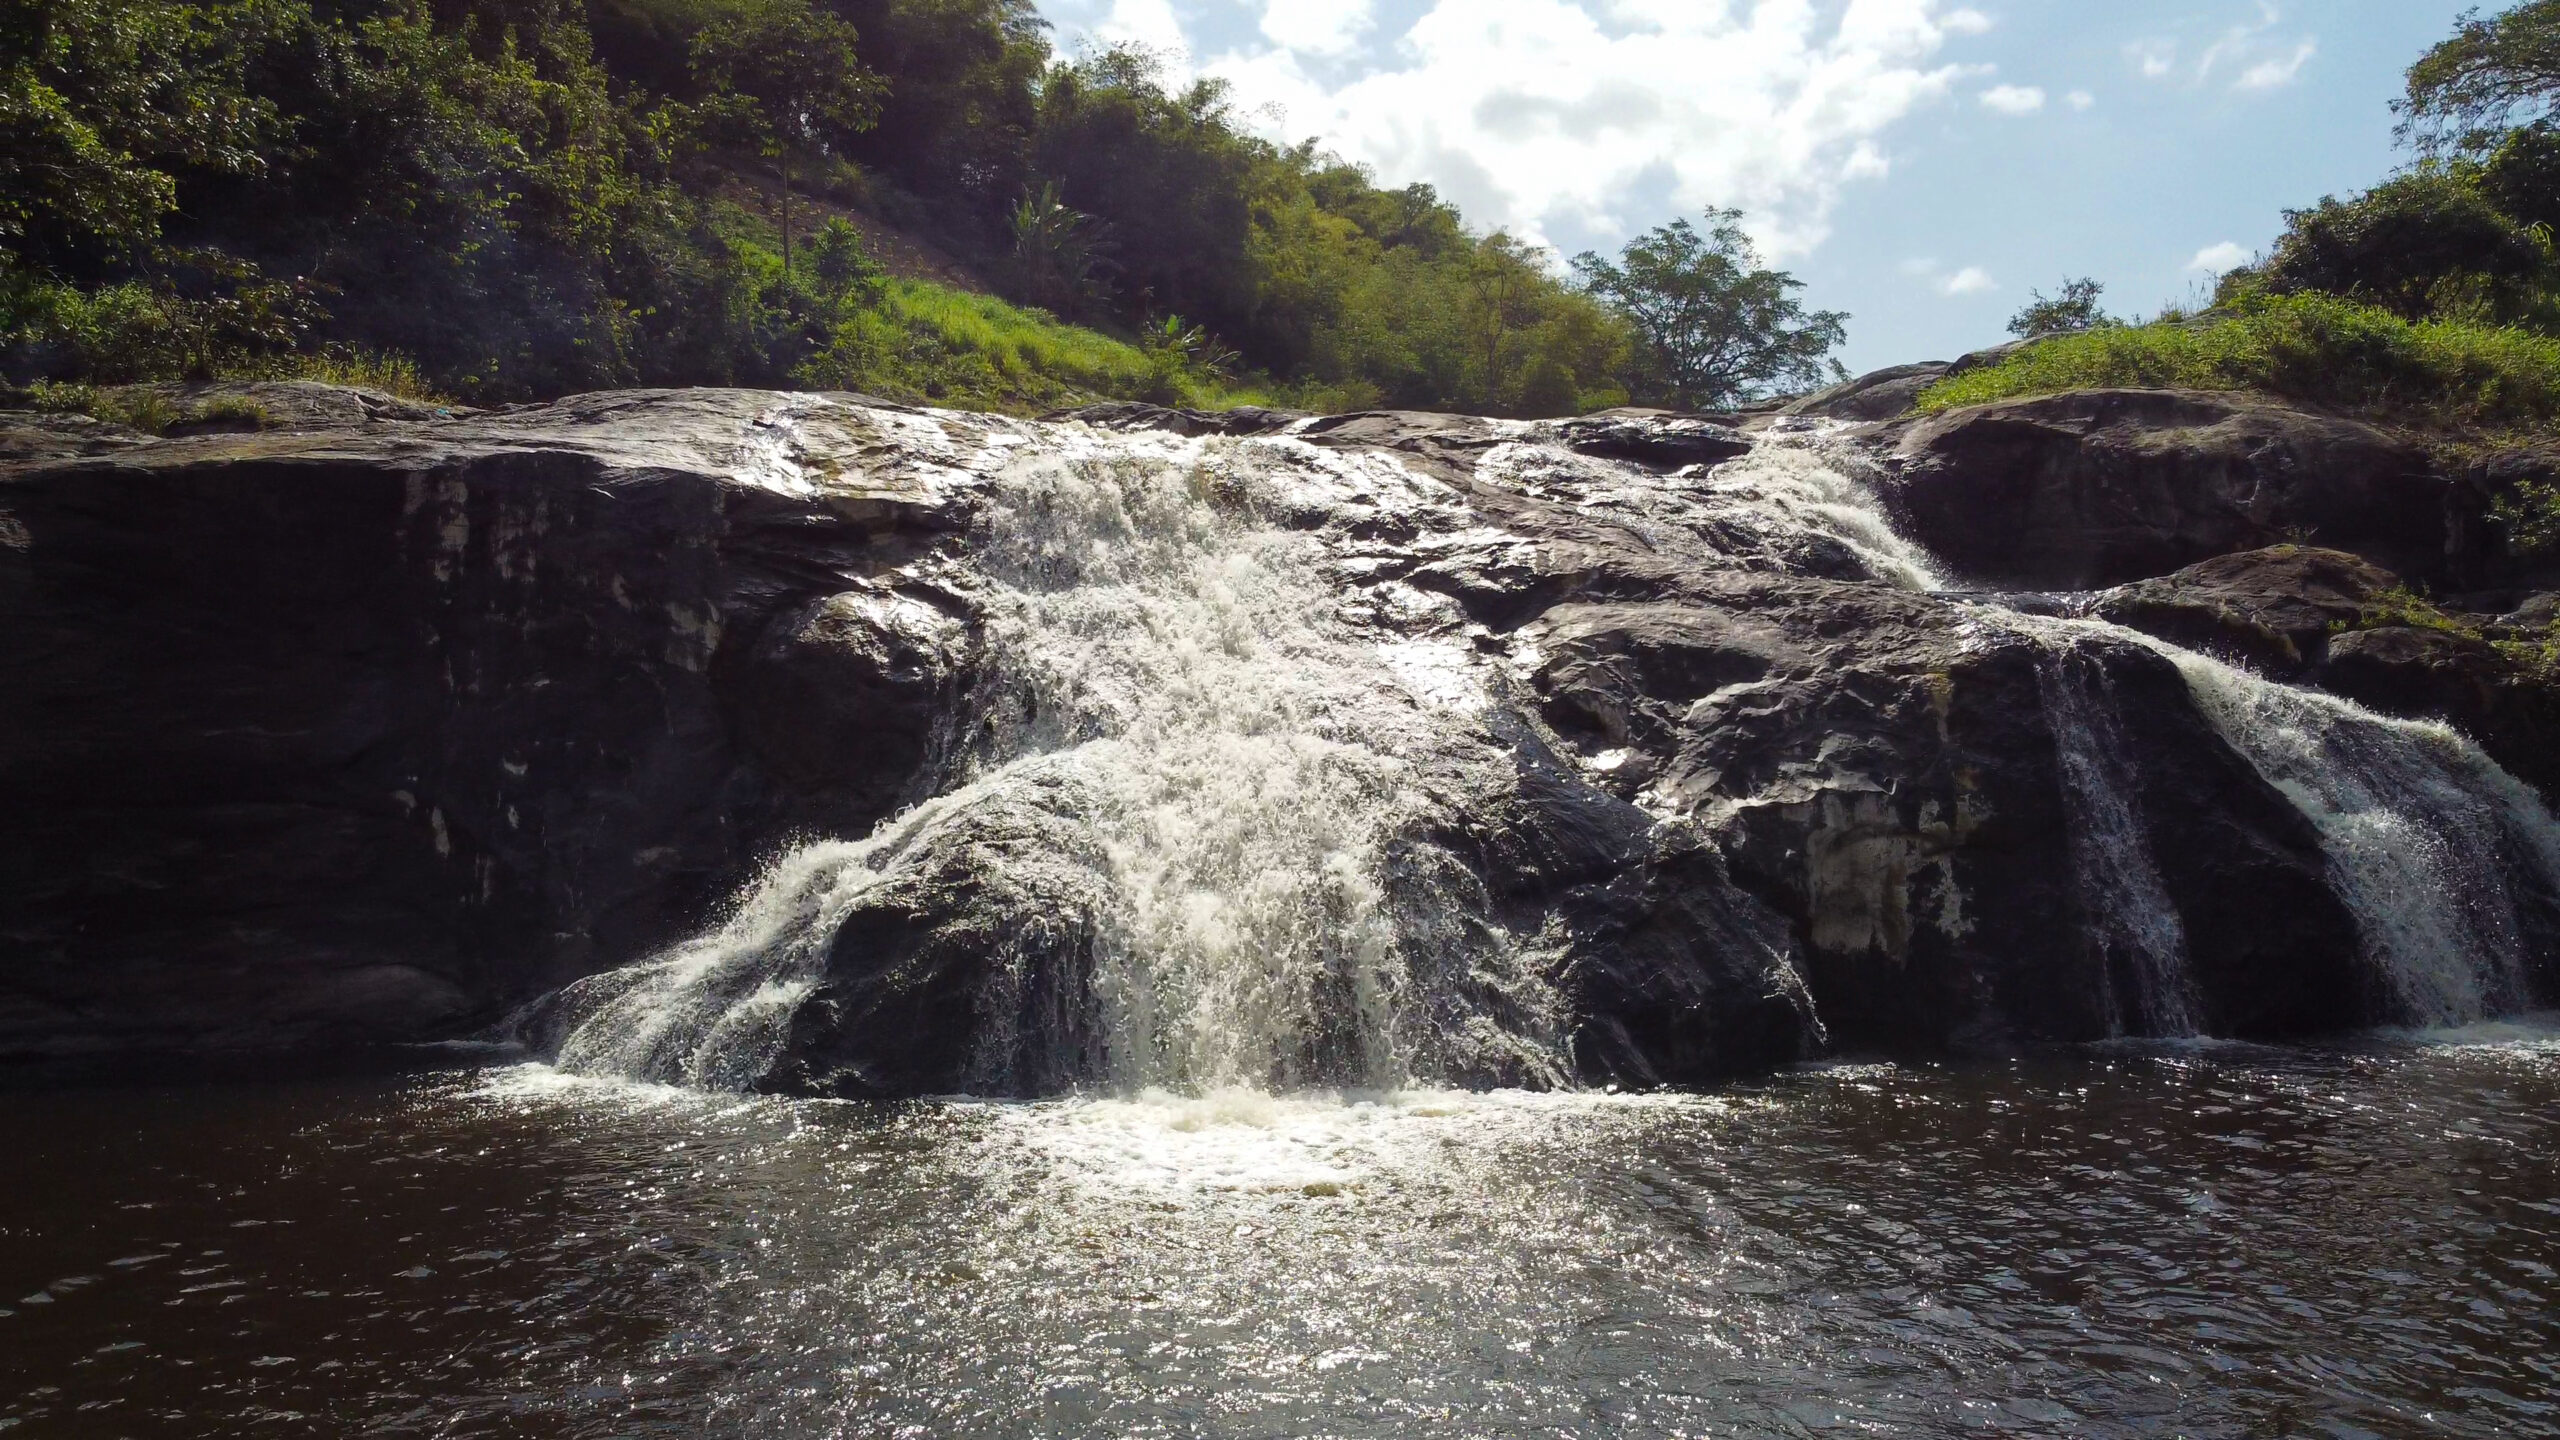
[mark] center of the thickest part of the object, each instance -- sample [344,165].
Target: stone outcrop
[373,731]
[2274,610]
[362,734]
[2104,487]
[2332,620]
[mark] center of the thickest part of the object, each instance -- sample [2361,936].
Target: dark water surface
[2210,1242]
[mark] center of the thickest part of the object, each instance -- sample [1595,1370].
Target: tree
[101,101]
[1715,326]
[791,77]
[2075,309]
[1502,287]
[2468,92]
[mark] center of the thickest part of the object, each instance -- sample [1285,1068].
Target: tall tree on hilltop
[2468,92]
[791,77]
[1715,325]
[2069,312]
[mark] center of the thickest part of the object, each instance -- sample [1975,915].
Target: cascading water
[2425,836]
[1254,764]
[1176,664]
[2423,833]
[2134,924]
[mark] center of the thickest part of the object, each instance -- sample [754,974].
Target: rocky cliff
[377,726]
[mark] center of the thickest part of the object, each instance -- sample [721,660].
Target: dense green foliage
[517,198]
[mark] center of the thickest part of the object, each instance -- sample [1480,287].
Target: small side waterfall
[2423,834]
[2135,926]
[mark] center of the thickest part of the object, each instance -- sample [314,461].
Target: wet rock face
[1885,770]
[377,731]
[2099,488]
[364,734]
[2274,610]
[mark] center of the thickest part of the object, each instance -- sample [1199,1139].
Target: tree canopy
[2469,91]
[524,197]
[1714,326]
[2075,307]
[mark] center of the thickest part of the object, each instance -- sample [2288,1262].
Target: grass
[397,376]
[2439,373]
[934,344]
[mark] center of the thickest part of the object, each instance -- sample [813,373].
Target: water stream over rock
[1211,814]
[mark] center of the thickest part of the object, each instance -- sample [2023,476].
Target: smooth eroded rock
[2103,487]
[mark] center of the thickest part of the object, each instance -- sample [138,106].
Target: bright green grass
[2310,347]
[933,343]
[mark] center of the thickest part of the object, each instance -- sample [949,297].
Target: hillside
[509,199]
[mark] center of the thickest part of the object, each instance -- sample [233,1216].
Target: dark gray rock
[2328,619]
[1138,415]
[1884,395]
[1661,442]
[2103,487]
[1888,780]
[366,735]
[2273,610]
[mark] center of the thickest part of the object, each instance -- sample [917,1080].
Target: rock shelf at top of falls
[815,743]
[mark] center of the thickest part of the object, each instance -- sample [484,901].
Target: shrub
[2318,348]
[2418,245]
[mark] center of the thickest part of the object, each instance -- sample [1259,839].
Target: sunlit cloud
[1562,120]
[2220,259]
[2270,74]
[1971,280]
[2013,99]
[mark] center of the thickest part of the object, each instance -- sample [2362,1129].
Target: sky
[1920,164]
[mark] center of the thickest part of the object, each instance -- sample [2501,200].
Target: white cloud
[1316,27]
[1971,280]
[2081,100]
[2219,259]
[2013,99]
[2156,59]
[1593,115]
[2275,72]
[1148,23]
[2266,60]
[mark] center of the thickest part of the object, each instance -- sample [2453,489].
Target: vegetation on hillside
[506,199]
[2432,299]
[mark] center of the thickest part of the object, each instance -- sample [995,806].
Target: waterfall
[1242,757]
[2423,833]
[2133,923]
[1252,758]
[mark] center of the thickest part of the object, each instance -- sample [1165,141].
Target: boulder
[2511,707]
[2273,610]
[1663,442]
[1886,394]
[2102,487]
